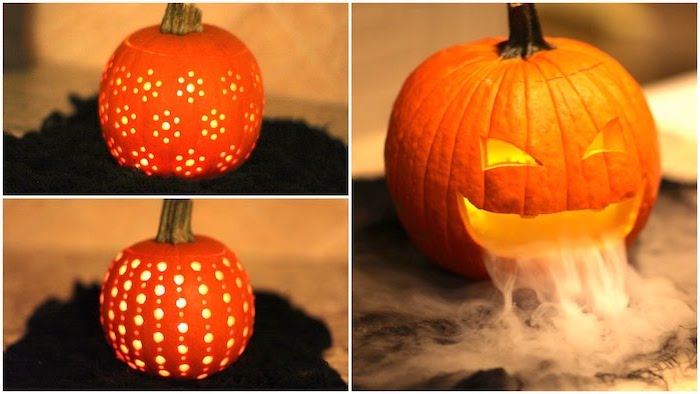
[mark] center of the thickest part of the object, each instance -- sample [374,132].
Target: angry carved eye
[496,153]
[609,139]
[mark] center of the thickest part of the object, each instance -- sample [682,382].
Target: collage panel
[524,197]
[175,294]
[245,98]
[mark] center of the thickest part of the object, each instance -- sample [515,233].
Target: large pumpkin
[179,305]
[520,145]
[181,99]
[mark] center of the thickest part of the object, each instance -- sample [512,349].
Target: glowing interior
[610,139]
[513,235]
[496,153]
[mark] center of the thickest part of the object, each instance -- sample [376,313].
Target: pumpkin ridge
[435,85]
[624,91]
[488,132]
[424,100]
[150,52]
[448,198]
[528,138]
[619,114]
[561,131]
[583,104]
[464,84]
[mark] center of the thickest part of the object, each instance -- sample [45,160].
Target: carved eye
[496,153]
[609,139]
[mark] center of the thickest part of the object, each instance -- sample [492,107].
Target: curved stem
[175,222]
[525,34]
[181,19]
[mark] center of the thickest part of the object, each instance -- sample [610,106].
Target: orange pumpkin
[519,145]
[181,99]
[177,306]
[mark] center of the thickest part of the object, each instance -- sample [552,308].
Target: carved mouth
[512,235]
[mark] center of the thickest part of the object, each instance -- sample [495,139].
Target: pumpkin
[182,99]
[519,145]
[179,305]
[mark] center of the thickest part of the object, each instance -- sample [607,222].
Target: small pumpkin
[182,99]
[512,146]
[179,305]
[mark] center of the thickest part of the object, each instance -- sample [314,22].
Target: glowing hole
[162,266]
[181,302]
[158,313]
[114,291]
[176,120]
[137,344]
[147,86]
[231,321]
[112,336]
[166,126]
[121,329]
[190,73]
[213,136]
[155,133]
[206,313]
[122,269]
[201,92]
[229,158]
[141,298]
[190,100]
[214,123]
[184,368]
[159,83]
[229,344]
[207,360]
[178,158]
[189,162]
[144,162]
[209,338]
[166,140]
[177,134]
[159,290]
[138,319]
[125,349]
[158,337]
[190,88]
[179,92]
[110,314]
[226,262]
[181,80]
[182,327]
[179,279]
[245,306]
[160,359]
[139,363]
[125,120]
[219,275]
[182,349]
[245,332]
[122,306]
[233,87]
[164,373]
[239,283]
[203,289]
[227,297]
[205,132]
[145,275]
[127,285]
[223,362]
[150,71]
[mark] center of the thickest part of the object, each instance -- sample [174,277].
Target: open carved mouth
[512,235]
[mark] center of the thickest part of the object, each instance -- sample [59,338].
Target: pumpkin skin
[189,106]
[182,311]
[551,106]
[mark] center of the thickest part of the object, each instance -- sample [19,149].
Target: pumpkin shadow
[64,348]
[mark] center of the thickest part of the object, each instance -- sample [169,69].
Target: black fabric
[69,156]
[64,349]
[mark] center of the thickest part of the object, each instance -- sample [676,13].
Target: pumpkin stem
[525,34]
[175,222]
[181,19]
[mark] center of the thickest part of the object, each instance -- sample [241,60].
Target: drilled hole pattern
[190,117]
[185,314]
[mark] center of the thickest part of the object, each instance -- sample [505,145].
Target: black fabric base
[64,349]
[69,156]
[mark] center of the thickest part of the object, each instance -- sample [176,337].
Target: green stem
[181,19]
[175,222]
[525,34]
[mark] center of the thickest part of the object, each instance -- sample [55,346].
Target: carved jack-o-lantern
[518,146]
[177,306]
[181,99]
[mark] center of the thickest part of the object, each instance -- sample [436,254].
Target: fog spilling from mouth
[571,318]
